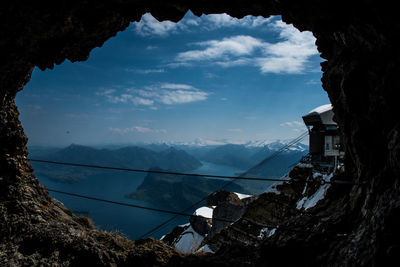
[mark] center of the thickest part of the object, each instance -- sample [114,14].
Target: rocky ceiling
[358,40]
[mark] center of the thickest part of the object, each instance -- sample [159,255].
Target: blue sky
[212,78]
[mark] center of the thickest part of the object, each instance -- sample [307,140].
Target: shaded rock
[224,214]
[200,224]
[222,196]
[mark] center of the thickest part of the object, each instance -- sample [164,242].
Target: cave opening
[360,76]
[217,79]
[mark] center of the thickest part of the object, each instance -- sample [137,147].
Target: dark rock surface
[221,196]
[268,214]
[358,39]
[172,236]
[228,210]
[200,224]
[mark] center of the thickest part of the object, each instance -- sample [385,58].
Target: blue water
[114,185]
[216,169]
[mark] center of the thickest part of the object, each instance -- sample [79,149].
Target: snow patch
[189,241]
[205,212]
[242,196]
[307,203]
[304,165]
[316,174]
[272,232]
[205,249]
[265,233]
[272,189]
[300,203]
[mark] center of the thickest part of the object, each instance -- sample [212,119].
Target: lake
[114,185]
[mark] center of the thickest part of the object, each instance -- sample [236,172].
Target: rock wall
[357,38]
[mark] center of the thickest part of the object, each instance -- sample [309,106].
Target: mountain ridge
[127,157]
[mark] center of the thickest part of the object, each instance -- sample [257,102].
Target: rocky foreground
[45,233]
[291,208]
[352,226]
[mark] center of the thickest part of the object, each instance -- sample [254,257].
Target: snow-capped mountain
[278,144]
[200,142]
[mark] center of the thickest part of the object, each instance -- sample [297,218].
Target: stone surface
[226,212]
[200,224]
[358,40]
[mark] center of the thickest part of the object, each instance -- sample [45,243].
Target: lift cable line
[233,178]
[177,213]
[286,147]
[128,204]
[242,177]
[156,171]
[160,226]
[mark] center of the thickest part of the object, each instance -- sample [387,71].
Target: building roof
[320,115]
[321,109]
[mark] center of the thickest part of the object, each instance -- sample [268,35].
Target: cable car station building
[325,145]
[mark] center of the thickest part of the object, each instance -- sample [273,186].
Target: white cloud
[292,124]
[236,62]
[182,96]
[137,129]
[149,26]
[313,82]
[142,101]
[164,93]
[151,47]
[105,92]
[290,55]
[233,46]
[281,64]
[178,64]
[214,21]
[295,126]
[145,71]
[177,86]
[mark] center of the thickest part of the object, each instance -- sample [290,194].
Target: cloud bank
[149,26]
[163,93]
[288,56]
[135,129]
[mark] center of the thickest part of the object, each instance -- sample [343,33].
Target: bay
[114,185]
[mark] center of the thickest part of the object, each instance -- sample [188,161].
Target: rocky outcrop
[229,208]
[266,214]
[200,224]
[223,208]
[358,39]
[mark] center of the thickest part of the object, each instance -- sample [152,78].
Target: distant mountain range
[180,158]
[245,156]
[127,157]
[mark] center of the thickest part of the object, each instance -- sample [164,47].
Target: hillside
[126,157]
[178,192]
[231,155]
[275,167]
